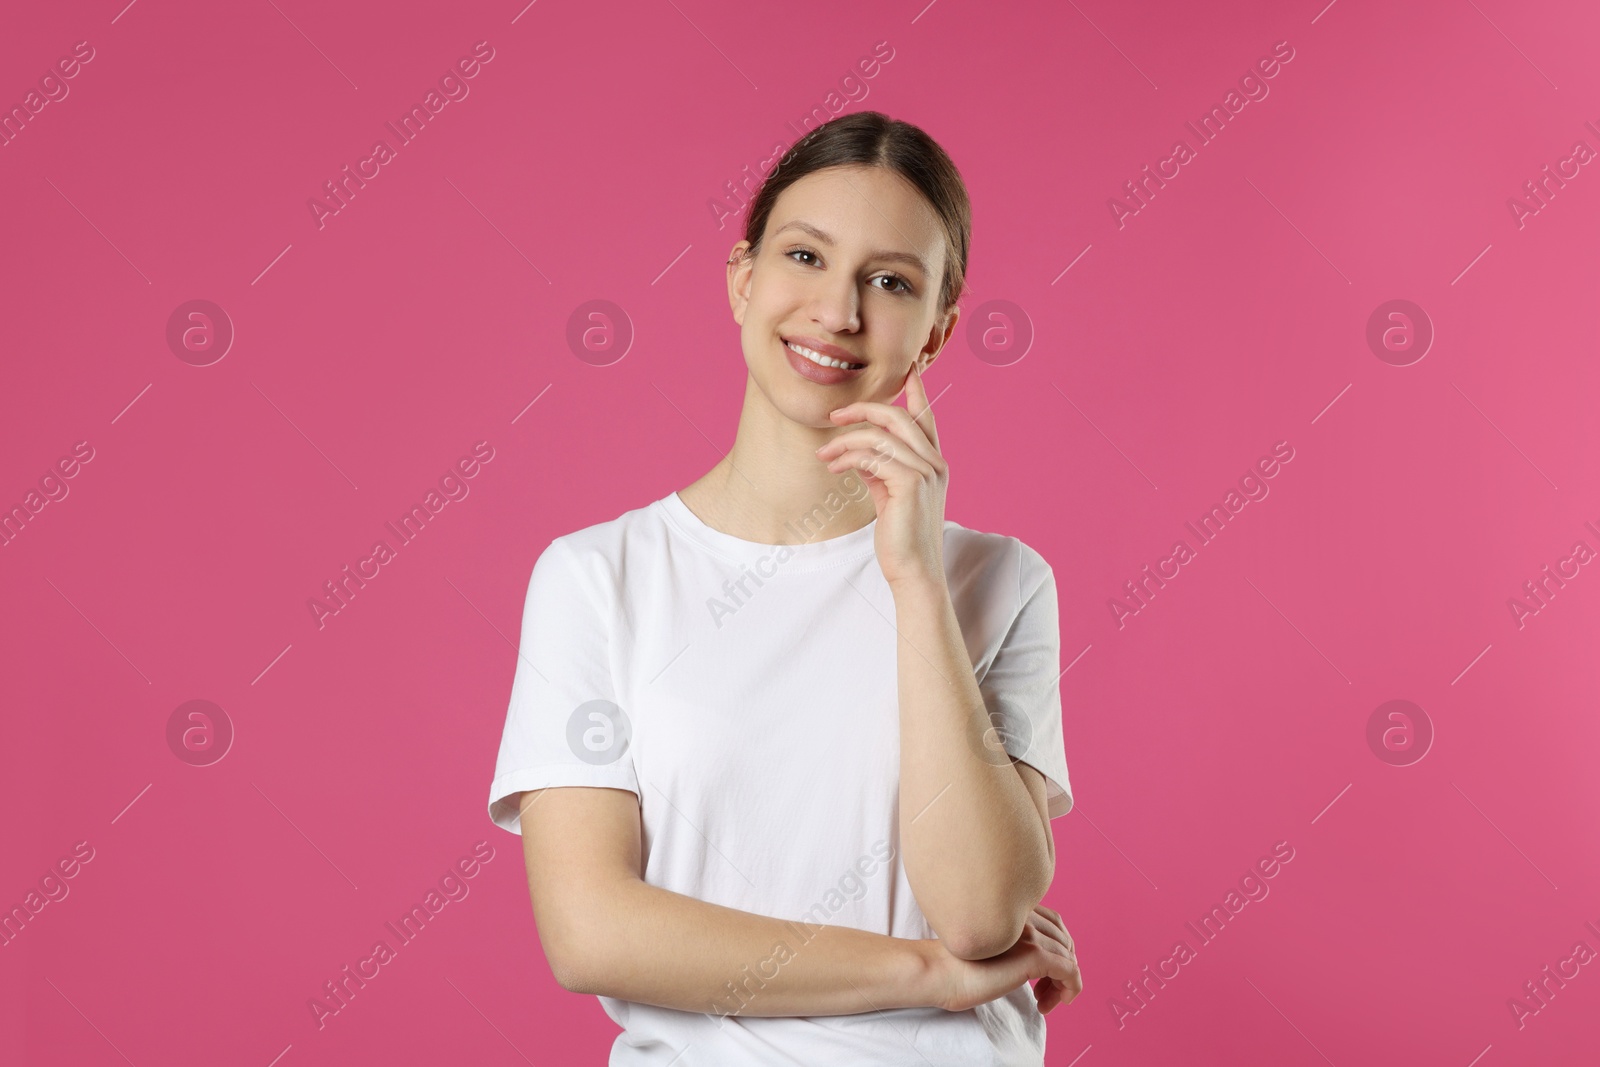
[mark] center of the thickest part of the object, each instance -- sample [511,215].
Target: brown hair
[873,139]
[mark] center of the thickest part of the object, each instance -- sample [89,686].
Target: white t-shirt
[747,694]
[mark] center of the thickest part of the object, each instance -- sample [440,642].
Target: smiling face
[849,270]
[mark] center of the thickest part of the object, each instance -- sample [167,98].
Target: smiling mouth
[821,360]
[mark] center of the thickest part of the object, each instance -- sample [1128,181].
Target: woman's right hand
[1044,955]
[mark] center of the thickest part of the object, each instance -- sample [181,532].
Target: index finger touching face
[918,404]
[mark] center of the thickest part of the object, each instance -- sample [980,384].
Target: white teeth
[822,360]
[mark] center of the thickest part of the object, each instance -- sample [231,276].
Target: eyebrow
[907,258]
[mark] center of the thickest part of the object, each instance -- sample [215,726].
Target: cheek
[763,310]
[762,352]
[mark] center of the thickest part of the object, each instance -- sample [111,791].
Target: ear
[943,329]
[740,266]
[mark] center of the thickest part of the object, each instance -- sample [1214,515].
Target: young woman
[784,745]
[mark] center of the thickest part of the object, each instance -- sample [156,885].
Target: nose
[836,306]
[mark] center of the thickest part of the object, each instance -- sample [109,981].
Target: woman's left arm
[974,832]
[975,839]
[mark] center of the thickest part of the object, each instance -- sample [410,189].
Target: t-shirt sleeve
[563,726]
[1022,689]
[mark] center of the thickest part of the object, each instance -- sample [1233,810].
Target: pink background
[1230,313]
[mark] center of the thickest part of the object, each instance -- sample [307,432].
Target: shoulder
[599,551]
[1000,566]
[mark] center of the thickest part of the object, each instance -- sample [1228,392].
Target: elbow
[575,948]
[565,967]
[577,980]
[566,977]
[580,972]
[1002,927]
[586,931]
[979,947]
[980,944]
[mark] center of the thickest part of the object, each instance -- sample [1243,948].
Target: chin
[800,402]
[810,409]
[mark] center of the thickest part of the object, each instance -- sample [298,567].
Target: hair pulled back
[873,139]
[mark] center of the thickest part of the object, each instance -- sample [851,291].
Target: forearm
[974,849]
[654,946]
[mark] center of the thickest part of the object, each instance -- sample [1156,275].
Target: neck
[772,489]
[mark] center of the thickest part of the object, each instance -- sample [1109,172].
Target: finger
[895,469]
[897,421]
[887,448]
[1057,995]
[1047,993]
[1071,981]
[863,435]
[918,404]
[1053,918]
[1062,989]
[1072,987]
[877,439]
[1057,946]
[1064,970]
[1045,987]
[1051,927]
[1055,939]
[885,451]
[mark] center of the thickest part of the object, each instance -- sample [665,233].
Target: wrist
[921,587]
[929,974]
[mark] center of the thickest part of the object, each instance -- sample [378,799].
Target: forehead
[865,210]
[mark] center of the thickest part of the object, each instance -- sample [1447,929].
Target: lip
[823,347]
[814,372]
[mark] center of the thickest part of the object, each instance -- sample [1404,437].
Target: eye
[900,284]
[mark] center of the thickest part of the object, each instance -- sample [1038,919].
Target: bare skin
[604,930]
[607,932]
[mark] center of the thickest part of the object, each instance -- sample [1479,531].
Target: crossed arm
[975,844]
[605,931]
